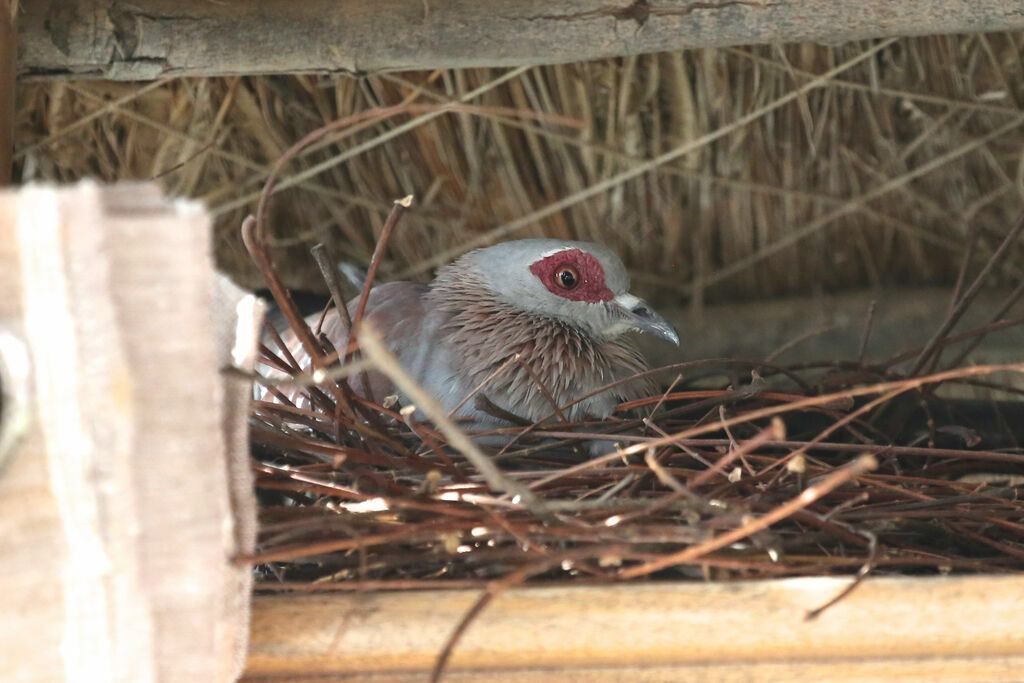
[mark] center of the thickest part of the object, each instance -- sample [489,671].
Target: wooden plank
[149,39]
[118,519]
[952,628]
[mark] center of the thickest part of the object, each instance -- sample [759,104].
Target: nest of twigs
[737,470]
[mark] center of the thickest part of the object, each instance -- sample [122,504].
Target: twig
[496,588]
[865,336]
[397,209]
[386,362]
[252,238]
[965,263]
[862,574]
[181,164]
[864,463]
[800,339]
[997,317]
[329,271]
[965,301]
[774,432]
[899,387]
[501,368]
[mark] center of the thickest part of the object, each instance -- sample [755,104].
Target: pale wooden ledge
[148,39]
[942,629]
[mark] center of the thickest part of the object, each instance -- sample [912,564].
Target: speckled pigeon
[563,306]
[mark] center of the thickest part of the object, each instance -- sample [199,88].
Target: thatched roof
[874,175]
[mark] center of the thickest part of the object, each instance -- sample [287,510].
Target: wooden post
[120,504]
[148,39]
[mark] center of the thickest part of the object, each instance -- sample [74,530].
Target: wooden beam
[148,39]
[956,628]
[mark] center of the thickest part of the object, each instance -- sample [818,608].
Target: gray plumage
[511,298]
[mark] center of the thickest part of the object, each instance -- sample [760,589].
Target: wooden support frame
[941,629]
[148,39]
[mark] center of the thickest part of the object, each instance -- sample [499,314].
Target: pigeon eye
[567,277]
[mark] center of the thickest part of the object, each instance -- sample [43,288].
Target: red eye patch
[590,288]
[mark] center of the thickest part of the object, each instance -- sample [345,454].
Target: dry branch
[153,38]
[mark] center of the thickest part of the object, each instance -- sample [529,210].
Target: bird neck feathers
[485,333]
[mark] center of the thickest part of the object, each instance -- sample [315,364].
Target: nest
[737,470]
[803,169]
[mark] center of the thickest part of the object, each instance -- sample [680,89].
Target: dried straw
[804,168]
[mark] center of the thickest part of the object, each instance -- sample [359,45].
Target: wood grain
[118,519]
[149,39]
[959,628]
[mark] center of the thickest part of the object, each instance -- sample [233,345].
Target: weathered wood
[147,39]
[118,515]
[961,628]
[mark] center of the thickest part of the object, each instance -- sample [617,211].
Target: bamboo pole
[149,39]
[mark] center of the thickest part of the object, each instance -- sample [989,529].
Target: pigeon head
[580,284]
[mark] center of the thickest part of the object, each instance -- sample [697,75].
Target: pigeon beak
[642,318]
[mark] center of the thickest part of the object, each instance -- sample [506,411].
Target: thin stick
[397,209]
[865,337]
[496,588]
[271,184]
[961,306]
[910,451]
[954,338]
[647,166]
[543,389]
[848,472]
[386,362]
[810,402]
[329,271]
[965,262]
[482,384]
[257,248]
[800,339]
[997,317]
[814,401]
[862,574]
[773,432]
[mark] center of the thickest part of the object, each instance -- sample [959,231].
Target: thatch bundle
[874,175]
